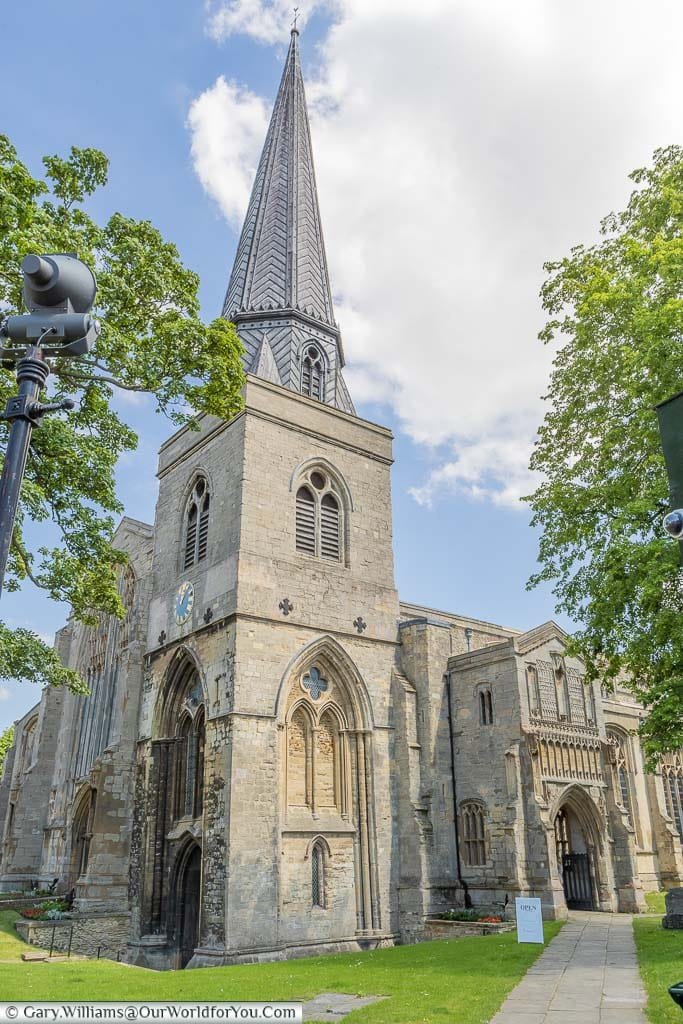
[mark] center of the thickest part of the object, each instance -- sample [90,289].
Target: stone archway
[581,851]
[187,902]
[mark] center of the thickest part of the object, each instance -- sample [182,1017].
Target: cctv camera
[673,523]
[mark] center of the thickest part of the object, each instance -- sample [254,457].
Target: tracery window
[622,769]
[317,876]
[28,744]
[190,739]
[319,517]
[672,778]
[473,834]
[317,749]
[313,374]
[197,524]
[485,707]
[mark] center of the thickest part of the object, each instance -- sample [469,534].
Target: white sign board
[529,919]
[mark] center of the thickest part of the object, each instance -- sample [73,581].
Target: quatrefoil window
[313,682]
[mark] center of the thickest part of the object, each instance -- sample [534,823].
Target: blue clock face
[184,600]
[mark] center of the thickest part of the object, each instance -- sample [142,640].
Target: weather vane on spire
[296,15]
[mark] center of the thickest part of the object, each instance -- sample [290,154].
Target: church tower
[265,822]
[279,293]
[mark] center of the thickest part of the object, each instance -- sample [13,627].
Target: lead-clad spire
[279,292]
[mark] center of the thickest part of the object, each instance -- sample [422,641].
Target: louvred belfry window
[197,524]
[305,521]
[313,374]
[319,519]
[329,527]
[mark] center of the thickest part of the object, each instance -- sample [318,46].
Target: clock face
[184,600]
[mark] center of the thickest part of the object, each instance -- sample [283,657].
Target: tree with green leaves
[6,741]
[153,341]
[616,309]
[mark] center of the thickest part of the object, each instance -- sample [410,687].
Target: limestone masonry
[277,756]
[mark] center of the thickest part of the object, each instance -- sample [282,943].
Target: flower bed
[48,910]
[465,923]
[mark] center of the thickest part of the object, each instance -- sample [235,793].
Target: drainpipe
[463,883]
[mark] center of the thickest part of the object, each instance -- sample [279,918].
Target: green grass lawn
[660,957]
[459,981]
[655,903]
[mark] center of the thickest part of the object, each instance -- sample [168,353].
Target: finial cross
[296,15]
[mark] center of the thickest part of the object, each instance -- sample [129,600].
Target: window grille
[577,697]
[317,869]
[197,525]
[473,835]
[485,707]
[546,690]
[305,521]
[189,757]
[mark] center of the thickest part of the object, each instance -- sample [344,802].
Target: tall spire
[279,291]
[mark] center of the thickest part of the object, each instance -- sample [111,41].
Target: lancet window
[197,524]
[485,707]
[317,876]
[313,374]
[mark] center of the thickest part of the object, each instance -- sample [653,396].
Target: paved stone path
[587,975]
[334,1006]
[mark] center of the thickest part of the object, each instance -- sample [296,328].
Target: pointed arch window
[622,770]
[317,876]
[319,518]
[189,764]
[672,777]
[197,524]
[473,834]
[313,374]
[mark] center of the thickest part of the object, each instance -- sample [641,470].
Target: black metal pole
[32,373]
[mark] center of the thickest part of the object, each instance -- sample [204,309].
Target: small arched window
[473,834]
[197,524]
[313,374]
[485,707]
[317,876]
[319,524]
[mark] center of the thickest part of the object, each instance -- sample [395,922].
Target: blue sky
[455,152]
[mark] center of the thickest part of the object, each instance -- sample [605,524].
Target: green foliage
[6,743]
[660,959]
[462,981]
[617,310]
[656,902]
[152,341]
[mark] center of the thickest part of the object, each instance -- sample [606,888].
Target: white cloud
[264,20]
[228,125]
[458,145]
[4,693]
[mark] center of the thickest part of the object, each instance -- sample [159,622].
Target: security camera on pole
[59,291]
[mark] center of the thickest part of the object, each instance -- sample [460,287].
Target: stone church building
[278,756]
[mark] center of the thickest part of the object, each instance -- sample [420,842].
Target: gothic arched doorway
[187,900]
[575,861]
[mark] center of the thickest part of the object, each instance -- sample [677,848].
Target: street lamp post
[59,291]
